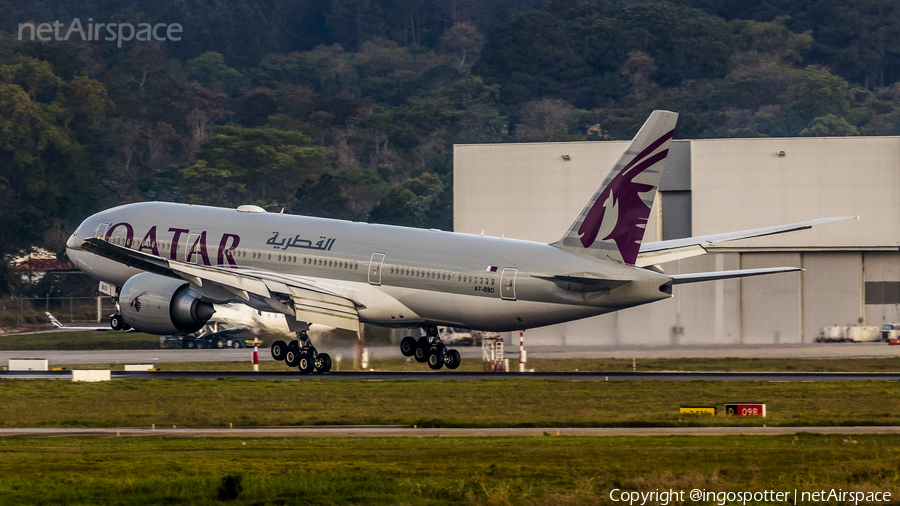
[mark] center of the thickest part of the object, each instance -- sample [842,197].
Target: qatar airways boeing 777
[168,264]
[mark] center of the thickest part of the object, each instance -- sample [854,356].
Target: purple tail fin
[612,223]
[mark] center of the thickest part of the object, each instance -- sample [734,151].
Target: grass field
[516,403]
[80,340]
[547,470]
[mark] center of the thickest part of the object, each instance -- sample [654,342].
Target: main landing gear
[301,354]
[430,349]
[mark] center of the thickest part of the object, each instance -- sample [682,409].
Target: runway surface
[477,376]
[395,431]
[813,350]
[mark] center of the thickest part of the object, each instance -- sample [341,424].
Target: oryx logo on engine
[136,301]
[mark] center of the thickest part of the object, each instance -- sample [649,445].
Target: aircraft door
[375,268]
[192,255]
[508,284]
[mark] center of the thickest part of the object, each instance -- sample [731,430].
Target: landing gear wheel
[305,363]
[436,359]
[191,344]
[452,359]
[323,363]
[420,353]
[278,349]
[292,357]
[115,321]
[408,346]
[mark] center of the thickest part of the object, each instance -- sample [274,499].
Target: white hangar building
[535,191]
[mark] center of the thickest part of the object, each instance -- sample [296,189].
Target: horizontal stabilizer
[676,249]
[583,283]
[680,279]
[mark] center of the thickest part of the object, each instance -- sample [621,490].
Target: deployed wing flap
[326,309]
[680,279]
[676,249]
[582,283]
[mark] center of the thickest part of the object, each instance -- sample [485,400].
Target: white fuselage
[398,276]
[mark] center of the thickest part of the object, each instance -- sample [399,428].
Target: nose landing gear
[430,349]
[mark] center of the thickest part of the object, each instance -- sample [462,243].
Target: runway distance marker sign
[699,410]
[745,409]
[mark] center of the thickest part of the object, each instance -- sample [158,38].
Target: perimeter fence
[31,310]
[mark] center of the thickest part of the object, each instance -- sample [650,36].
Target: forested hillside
[349,108]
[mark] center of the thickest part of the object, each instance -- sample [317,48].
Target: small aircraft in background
[56,323]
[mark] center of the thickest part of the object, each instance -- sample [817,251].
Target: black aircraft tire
[323,363]
[305,363]
[408,346]
[278,348]
[115,321]
[421,354]
[436,359]
[292,357]
[452,359]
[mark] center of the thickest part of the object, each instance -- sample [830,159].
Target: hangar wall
[532,192]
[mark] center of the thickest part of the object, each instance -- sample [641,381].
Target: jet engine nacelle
[160,305]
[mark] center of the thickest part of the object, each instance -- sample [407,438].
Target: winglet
[612,224]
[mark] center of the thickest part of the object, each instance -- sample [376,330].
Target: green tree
[531,56]
[860,38]
[240,165]
[209,68]
[423,202]
[829,126]
[322,198]
[44,176]
[817,94]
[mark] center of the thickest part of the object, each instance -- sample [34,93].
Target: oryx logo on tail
[612,223]
[620,213]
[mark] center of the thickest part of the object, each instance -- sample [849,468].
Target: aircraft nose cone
[72,242]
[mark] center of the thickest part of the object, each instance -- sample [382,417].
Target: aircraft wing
[666,251]
[311,303]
